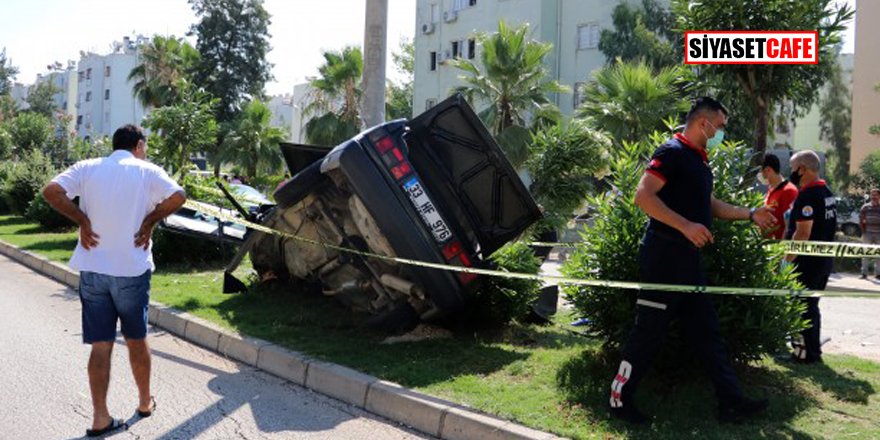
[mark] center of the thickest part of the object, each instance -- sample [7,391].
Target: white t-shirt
[116,193]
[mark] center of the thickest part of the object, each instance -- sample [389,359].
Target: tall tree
[399,95]
[30,131]
[632,100]
[642,33]
[7,73]
[336,95]
[233,40]
[764,86]
[183,128]
[252,143]
[512,83]
[513,79]
[163,62]
[42,98]
[836,125]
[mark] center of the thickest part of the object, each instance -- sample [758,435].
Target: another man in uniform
[869,220]
[813,218]
[122,198]
[780,194]
[676,193]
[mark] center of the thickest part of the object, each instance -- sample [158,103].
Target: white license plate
[426,209]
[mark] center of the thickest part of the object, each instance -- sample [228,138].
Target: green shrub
[178,249]
[39,211]
[26,179]
[501,300]
[5,172]
[752,326]
[563,165]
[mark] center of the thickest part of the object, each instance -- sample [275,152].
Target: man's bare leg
[139,357]
[99,382]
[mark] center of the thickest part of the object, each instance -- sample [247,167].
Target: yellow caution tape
[212,210]
[809,248]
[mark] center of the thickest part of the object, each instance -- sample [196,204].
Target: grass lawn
[544,377]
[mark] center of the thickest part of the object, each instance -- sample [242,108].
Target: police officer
[676,193]
[813,217]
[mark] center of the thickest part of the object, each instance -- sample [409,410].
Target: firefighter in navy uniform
[814,218]
[676,193]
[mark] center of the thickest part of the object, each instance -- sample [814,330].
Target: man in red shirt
[780,194]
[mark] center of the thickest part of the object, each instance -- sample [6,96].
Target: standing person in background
[780,194]
[122,198]
[869,220]
[813,218]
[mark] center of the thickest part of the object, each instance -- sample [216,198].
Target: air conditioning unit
[450,16]
[443,56]
[427,28]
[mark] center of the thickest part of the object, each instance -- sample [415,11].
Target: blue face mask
[716,140]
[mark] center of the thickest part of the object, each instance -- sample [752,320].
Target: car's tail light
[455,255]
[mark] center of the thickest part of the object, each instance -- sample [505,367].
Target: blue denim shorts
[106,299]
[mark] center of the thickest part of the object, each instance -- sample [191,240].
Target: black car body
[436,188]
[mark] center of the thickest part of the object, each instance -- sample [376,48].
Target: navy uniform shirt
[688,184]
[814,202]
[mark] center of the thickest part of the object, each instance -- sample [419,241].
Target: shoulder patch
[655,163]
[807,211]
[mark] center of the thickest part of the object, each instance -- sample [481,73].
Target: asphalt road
[44,388]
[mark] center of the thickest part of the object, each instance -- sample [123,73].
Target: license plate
[426,209]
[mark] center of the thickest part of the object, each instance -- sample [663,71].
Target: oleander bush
[751,326]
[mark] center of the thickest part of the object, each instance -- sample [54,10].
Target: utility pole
[375,44]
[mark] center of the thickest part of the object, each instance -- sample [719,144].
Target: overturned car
[436,188]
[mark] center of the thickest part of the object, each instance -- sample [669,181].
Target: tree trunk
[762,114]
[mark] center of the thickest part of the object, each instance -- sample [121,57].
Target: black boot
[742,410]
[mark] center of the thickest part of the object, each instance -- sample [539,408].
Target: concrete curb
[428,414]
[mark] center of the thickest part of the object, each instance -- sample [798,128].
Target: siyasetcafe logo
[751,47]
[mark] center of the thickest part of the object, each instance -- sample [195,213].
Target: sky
[39,32]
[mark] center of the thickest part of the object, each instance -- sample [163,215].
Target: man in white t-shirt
[121,199]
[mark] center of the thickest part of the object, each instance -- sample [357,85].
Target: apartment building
[447,29]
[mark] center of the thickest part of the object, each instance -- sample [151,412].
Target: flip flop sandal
[113,426]
[145,414]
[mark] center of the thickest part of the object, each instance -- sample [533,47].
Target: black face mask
[795,178]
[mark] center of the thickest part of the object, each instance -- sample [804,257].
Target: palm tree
[164,61]
[336,97]
[252,143]
[512,83]
[630,100]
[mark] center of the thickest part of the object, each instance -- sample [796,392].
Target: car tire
[851,230]
[400,319]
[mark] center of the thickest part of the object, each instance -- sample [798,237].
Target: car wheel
[400,319]
[851,230]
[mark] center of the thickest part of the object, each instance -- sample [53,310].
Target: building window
[430,102]
[79,120]
[435,13]
[433,61]
[458,5]
[107,71]
[472,48]
[588,36]
[456,49]
[81,76]
[106,94]
[579,89]
[88,96]
[89,73]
